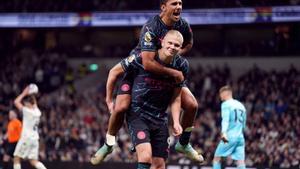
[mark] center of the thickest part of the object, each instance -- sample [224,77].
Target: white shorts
[27,149]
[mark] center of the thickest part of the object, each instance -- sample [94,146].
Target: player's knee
[191,106]
[194,105]
[122,106]
[145,157]
[158,166]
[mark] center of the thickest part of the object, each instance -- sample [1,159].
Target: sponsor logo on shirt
[148,43]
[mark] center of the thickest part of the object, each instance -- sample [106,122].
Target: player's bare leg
[117,117]
[37,164]
[190,107]
[114,125]
[241,164]
[158,163]
[144,155]
[17,163]
[216,162]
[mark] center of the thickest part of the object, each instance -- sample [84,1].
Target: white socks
[17,166]
[38,165]
[110,139]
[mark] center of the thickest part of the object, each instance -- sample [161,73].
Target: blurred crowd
[48,69]
[273,123]
[220,40]
[121,5]
[73,124]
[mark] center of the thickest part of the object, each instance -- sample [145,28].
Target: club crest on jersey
[141,135]
[147,37]
[125,87]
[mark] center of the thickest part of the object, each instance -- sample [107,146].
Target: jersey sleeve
[245,120]
[187,34]
[184,68]
[148,38]
[129,63]
[225,112]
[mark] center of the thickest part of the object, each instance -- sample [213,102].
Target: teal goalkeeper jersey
[233,118]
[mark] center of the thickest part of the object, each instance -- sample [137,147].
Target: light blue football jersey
[233,124]
[233,118]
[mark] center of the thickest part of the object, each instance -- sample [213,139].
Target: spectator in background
[12,136]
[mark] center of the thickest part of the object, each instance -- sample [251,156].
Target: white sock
[40,165]
[17,166]
[110,139]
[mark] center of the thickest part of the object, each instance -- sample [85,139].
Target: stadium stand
[121,5]
[72,126]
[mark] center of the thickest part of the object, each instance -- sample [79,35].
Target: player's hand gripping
[224,138]
[110,105]
[26,91]
[178,76]
[177,129]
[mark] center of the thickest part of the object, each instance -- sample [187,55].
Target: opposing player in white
[28,145]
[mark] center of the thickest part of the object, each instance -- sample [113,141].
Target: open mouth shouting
[176,15]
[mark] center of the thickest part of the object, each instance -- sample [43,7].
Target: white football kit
[28,145]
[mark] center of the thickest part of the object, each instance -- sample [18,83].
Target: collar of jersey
[162,22]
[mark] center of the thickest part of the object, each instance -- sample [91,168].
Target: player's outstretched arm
[113,74]
[18,100]
[151,65]
[176,109]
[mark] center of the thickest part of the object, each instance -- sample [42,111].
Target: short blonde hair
[176,33]
[225,88]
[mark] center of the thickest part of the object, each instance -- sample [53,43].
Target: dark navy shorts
[143,131]
[10,148]
[126,83]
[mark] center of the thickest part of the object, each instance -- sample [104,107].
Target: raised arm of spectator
[18,100]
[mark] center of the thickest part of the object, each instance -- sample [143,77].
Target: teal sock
[144,165]
[216,165]
[242,166]
[108,146]
[185,138]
